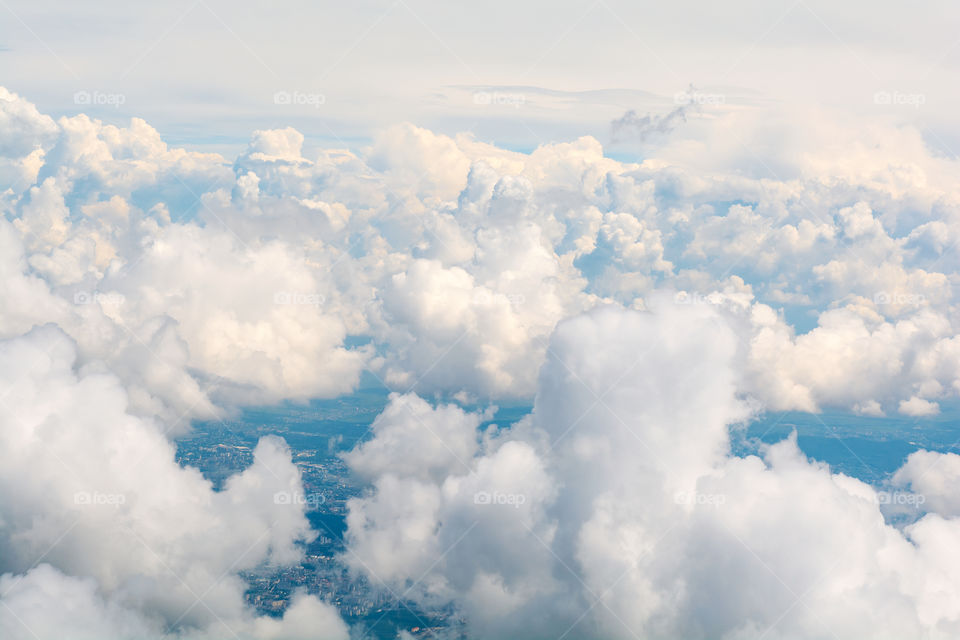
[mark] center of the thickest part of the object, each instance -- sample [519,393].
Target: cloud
[430,441]
[129,541]
[46,604]
[752,259]
[918,407]
[206,282]
[630,126]
[932,475]
[617,509]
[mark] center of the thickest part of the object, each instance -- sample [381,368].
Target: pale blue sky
[205,72]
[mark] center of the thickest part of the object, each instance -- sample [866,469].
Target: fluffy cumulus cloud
[147,285]
[617,510]
[110,533]
[203,282]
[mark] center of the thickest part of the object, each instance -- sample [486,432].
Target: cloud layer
[147,286]
[616,510]
[201,282]
[103,528]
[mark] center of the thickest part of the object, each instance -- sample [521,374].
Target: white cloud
[458,258]
[137,542]
[147,285]
[918,407]
[428,442]
[616,509]
[45,604]
[933,476]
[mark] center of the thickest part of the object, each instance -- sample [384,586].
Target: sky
[651,223]
[205,73]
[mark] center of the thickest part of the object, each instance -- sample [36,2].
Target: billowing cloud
[102,526]
[453,260]
[741,264]
[617,510]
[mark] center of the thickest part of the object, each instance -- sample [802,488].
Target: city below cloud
[532,358]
